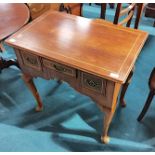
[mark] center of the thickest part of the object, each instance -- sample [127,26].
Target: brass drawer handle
[59,68]
[92,83]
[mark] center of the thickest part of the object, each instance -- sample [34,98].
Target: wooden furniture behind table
[140,8]
[128,12]
[73,49]
[119,12]
[150,11]
[38,9]
[12,17]
[150,96]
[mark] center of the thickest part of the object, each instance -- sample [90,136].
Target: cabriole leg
[107,120]
[109,115]
[29,82]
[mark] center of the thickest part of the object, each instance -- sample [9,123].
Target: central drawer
[59,67]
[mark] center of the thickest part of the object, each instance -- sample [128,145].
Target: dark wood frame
[150,96]
[129,11]
[150,11]
[139,7]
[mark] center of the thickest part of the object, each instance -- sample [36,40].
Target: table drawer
[93,83]
[59,67]
[31,60]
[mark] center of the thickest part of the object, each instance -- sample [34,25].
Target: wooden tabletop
[100,48]
[12,18]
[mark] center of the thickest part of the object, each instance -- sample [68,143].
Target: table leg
[109,115]
[29,81]
[124,89]
[107,120]
[140,7]
[112,5]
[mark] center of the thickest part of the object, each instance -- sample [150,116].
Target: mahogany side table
[73,49]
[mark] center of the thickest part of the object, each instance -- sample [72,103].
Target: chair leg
[103,10]
[124,89]
[112,5]
[146,106]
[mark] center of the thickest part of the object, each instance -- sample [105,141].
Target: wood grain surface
[105,50]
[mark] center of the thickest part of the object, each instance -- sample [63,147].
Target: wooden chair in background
[138,6]
[129,12]
[150,96]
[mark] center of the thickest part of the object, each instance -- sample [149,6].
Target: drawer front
[60,68]
[31,60]
[93,83]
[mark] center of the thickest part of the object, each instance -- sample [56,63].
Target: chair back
[129,12]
